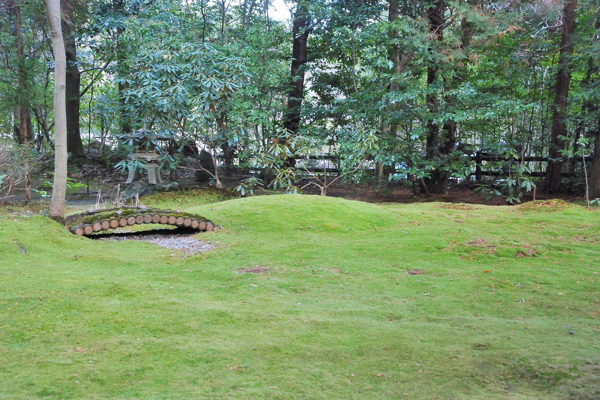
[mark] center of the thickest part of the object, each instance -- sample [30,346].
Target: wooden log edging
[91,222]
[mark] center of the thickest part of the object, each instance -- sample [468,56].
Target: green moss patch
[308,297]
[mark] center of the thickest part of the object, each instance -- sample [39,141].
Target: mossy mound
[299,212]
[544,205]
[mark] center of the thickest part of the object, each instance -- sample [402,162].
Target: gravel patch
[186,243]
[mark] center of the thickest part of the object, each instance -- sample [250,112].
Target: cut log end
[202,226]
[216,228]
[97,226]
[179,221]
[122,222]
[147,219]
[172,220]
[78,231]
[88,229]
[139,219]
[131,221]
[195,224]
[210,227]
[114,223]
[164,219]
[187,222]
[105,225]
[156,219]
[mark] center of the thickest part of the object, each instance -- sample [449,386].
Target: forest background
[504,93]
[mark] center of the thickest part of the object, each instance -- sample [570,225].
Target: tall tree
[73,82]
[23,129]
[439,143]
[57,205]
[300,32]
[121,55]
[553,180]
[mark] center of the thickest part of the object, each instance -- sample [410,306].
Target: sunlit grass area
[349,300]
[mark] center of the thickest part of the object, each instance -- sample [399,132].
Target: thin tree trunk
[227,150]
[223,7]
[594,181]
[25,131]
[585,107]
[395,57]
[57,205]
[552,183]
[125,117]
[399,62]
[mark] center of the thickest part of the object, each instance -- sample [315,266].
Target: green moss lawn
[357,300]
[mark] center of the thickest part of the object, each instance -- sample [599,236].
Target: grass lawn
[362,301]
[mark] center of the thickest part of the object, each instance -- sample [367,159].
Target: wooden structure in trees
[92,222]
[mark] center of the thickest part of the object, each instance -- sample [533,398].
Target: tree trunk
[399,62]
[227,150]
[23,130]
[552,183]
[300,31]
[73,85]
[438,180]
[57,205]
[441,143]
[595,170]
[395,57]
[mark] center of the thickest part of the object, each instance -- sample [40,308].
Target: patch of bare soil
[415,272]
[254,270]
[525,251]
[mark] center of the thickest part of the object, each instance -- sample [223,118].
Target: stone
[206,162]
